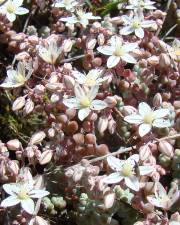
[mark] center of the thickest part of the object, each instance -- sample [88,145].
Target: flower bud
[71,113]
[14,144]
[58,202]
[102,124]
[46,157]
[101,39]
[128,110]
[109,200]
[144,152]
[78,138]
[111,101]
[13,167]
[22,56]
[37,138]
[55,97]
[67,45]
[102,150]
[69,82]
[90,139]
[18,103]
[166,148]
[91,44]
[37,220]
[29,106]
[39,89]
[153,60]
[111,126]
[164,160]
[157,100]
[51,132]
[164,61]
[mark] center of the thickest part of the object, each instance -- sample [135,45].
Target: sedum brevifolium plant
[90,112]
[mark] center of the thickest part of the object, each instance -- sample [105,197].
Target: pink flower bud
[33,39]
[101,39]
[128,110]
[51,132]
[102,124]
[46,157]
[55,97]
[67,45]
[13,167]
[37,138]
[37,220]
[69,82]
[111,126]
[109,200]
[14,144]
[39,89]
[22,56]
[18,103]
[164,61]
[91,44]
[29,106]
[144,152]
[111,101]
[166,148]
[157,100]
[153,60]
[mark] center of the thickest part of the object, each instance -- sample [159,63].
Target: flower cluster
[90,112]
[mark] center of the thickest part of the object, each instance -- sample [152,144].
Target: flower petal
[134,119]
[161,123]
[144,129]
[144,109]
[80,77]
[106,50]
[129,47]
[114,163]
[93,92]
[83,113]
[128,58]
[148,23]
[144,170]
[112,61]
[11,189]
[71,103]
[139,32]
[154,201]
[126,30]
[132,182]
[98,105]
[21,11]
[160,113]
[113,178]
[133,159]
[10,201]
[28,205]
[38,193]
[11,17]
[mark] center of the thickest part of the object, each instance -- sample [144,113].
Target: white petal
[17,3]
[161,123]
[11,17]
[130,47]
[113,178]
[106,50]
[144,129]
[160,113]
[93,92]
[71,103]
[11,189]
[79,92]
[144,109]
[139,32]
[80,77]
[148,23]
[134,119]
[126,19]
[144,170]
[112,61]
[133,159]
[21,11]
[38,193]
[154,201]
[10,201]
[83,113]
[98,105]
[128,58]
[126,30]
[160,191]
[28,205]
[114,163]
[132,182]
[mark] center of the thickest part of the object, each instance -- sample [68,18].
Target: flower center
[127,170]
[149,117]
[119,51]
[136,24]
[23,195]
[85,102]
[20,78]
[10,7]
[177,52]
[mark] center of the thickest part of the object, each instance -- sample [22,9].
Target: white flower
[18,77]
[117,51]
[125,170]
[22,193]
[69,5]
[12,8]
[147,118]
[140,4]
[84,101]
[50,53]
[135,25]
[174,51]
[80,17]
[91,79]
[161,198]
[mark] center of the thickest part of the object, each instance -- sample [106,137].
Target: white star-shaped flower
[11,8]
[148,118]
[141,4]
[85,101]
[117,51]
[161,199]
[50,52]
[22,193]
[91,79]
[135,25]
[125,170]
[69,5]
[18,77]
[174,50]
[80,17]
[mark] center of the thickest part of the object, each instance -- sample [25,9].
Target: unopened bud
[18,103]
[166,148]
[128,110]
[29,106]
[157,100]
[69,82]
[37,138]
[67,45]
[14,144]
[46,157]
[101,39]
[91,44]
[144,152]
[164,61]
[102,124]
[111,126]
[111,101]
[109,200]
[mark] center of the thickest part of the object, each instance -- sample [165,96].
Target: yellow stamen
[136,24]
[149,118]
[127,170]
[20,78]
[85,102]
[23,194]
[11,8]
